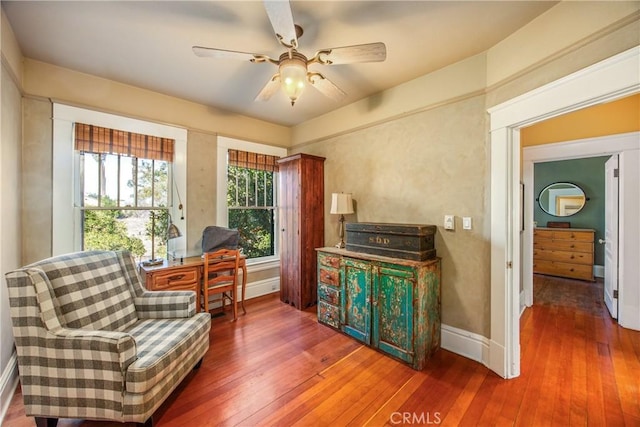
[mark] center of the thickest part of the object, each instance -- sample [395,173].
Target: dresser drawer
[328,294]
[328,314]
[329,261]
[577,271]
[184,278]
[562,245]
[563,256]
[573,235]
[329,277]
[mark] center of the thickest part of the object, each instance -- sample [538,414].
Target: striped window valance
[249,160]
[96,139]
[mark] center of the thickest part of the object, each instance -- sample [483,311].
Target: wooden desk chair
[220,274]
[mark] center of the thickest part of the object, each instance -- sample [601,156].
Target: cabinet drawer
[175,279]
[328,314]
[577,271]
[328,294]
[328,260]
[563,245]
[329,277]
[563,256]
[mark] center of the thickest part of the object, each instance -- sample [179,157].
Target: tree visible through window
[251,203]
[124,198]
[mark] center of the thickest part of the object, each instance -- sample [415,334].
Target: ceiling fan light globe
[293,77]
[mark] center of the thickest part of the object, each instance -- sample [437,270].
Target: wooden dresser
[564,252]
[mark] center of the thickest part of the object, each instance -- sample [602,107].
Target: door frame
[611,79]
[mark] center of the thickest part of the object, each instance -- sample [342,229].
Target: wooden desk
[184,276]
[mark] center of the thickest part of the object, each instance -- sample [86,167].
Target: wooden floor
[278,366]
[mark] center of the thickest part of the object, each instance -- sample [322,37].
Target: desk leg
[244,284]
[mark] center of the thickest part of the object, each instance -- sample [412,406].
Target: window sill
[260,265]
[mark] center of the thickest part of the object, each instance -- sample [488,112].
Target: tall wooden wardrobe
[301,207]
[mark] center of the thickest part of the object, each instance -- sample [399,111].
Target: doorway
[627,147]
[611,79]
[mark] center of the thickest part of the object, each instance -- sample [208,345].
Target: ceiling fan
[293,72]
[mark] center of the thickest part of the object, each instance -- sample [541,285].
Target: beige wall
[85,90]
[415,170]
[10,212]
[37,202]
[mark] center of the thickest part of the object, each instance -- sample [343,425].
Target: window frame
[222,211]
[66,216]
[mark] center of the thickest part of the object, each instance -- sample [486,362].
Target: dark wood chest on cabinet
[390,304]
[564,252]
[301,207]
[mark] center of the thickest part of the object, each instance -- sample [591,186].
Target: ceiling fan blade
[269,89]
[326,87]
[211,52]
[281,17]
[370,52]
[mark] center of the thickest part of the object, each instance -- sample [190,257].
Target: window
[124,190]
[251,201]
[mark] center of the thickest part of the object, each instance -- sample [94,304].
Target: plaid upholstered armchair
[92,343]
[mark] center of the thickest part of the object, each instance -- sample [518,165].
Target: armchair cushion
[160,345]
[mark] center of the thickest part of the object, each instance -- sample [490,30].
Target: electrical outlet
[449,222]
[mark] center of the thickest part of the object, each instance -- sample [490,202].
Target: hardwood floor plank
[463,401]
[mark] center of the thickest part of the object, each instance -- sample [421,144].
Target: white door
[611,236]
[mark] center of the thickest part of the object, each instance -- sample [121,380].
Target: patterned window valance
[247,159]
[96,139]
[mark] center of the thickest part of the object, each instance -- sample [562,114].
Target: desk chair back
[220,278]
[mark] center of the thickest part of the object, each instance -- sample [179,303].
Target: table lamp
[341,204]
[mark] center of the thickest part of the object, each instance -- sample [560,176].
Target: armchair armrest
[165,304]
[98,358]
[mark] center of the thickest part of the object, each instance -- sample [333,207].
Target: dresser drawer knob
[181,276]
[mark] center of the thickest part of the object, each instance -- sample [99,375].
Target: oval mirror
[562,199]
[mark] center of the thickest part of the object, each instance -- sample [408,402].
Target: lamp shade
[173,232]
[341,203]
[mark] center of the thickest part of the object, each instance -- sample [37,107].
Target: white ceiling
[148,44]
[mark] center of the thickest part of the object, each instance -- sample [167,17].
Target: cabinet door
[393,312]
[355,316]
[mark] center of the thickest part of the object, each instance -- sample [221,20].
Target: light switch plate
[466,223]
[449,222]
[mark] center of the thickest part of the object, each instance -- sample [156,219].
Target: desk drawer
[174,279]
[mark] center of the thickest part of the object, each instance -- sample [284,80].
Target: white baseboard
[465,343]
[523,302]
[598,270]
[262,287]
[8,384]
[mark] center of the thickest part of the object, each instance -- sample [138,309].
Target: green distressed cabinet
[390,304]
